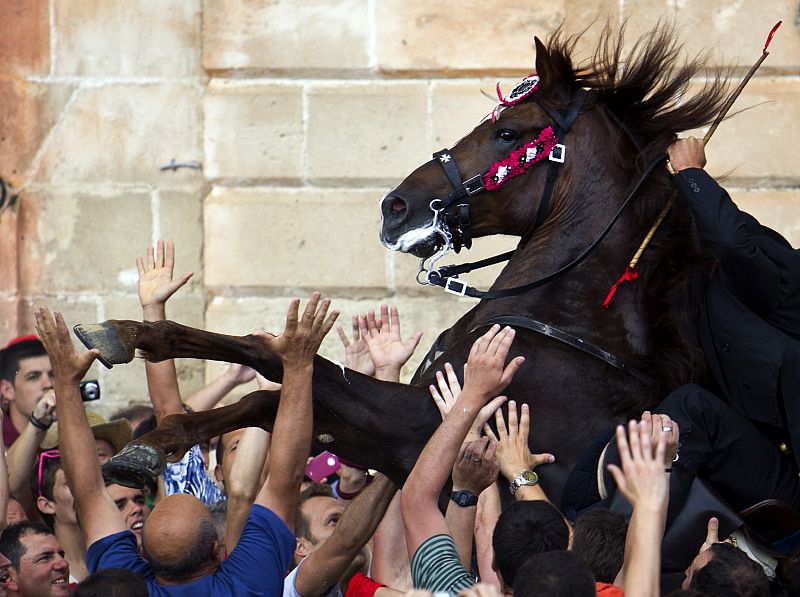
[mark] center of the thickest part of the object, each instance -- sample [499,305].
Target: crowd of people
[258,513]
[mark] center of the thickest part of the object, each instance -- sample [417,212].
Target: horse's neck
[574,300]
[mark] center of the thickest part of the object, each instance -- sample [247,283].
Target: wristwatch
[524,478]
[464,498]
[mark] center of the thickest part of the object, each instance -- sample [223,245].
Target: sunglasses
[42,456]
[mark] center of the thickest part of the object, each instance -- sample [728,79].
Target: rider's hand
[69,367]
[513,452]
[687,153]
[301,337]
[356,352]
[658,423]
[156,284]
[487,374]
[386,347]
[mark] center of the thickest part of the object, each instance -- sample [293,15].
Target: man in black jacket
[750,326]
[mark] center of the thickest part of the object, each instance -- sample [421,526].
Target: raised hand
[386,347]
[658,423]
[301,337]
[356,352]
[239,374]
[712,534]
[513,452]
[641,479]
[449,389]
[447,399]
[487,374]
[69,367]
[687,153]
[476,467]
[156,283]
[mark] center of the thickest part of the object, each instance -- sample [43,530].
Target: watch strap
[464,498]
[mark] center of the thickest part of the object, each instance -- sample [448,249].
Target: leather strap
[518,321]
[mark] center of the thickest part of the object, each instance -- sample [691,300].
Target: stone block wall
[303,113]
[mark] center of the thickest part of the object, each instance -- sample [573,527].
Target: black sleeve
[745,268]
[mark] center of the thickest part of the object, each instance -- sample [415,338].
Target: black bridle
[452,212]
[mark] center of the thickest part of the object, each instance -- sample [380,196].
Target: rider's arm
[324,567]
[746,268]
[97,512]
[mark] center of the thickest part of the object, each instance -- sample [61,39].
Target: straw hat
[117,433]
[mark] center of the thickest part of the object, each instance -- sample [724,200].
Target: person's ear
[12,583]
[218,474]
[7,390]
[45,506]
[301,549]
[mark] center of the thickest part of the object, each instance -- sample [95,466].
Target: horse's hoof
[136,466]
[106,339]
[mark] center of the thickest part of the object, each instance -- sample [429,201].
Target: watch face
[528,477]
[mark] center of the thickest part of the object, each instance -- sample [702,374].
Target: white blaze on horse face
[410,239]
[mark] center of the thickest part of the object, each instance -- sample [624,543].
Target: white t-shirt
[289,589]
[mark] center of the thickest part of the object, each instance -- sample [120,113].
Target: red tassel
[769,37]
[629,276]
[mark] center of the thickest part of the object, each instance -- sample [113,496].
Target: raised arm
[746,268]
[96,510]
[243,481]
[291,434]
[645,484]
[22,453]
[485,377]
[324,567]
[3,480]
[514,454]
[385,342]
[475,469]
[210,394]
[156,285]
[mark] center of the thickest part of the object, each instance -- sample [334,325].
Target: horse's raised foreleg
[118,340]
[378,424]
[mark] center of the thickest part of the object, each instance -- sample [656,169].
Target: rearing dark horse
[614,123]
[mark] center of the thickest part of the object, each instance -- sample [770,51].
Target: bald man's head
[179,539]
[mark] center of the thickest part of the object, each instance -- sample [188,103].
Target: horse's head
[498,170]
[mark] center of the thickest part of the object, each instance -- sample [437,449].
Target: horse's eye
[507,135]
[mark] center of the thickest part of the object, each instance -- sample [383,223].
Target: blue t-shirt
[256,566]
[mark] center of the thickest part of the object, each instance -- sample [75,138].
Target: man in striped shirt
[435,563]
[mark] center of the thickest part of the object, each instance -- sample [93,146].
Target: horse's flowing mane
[646,91]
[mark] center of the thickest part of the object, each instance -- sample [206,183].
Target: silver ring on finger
[667,429]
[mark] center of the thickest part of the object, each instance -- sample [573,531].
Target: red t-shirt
[10,433]
[361,586]
[606,590]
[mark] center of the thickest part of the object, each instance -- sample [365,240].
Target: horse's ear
[544,65]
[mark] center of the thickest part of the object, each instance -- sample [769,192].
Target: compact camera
[90,390]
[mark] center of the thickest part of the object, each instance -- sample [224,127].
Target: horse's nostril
[398,206]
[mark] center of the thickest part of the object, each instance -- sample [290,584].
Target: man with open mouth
[38,567]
